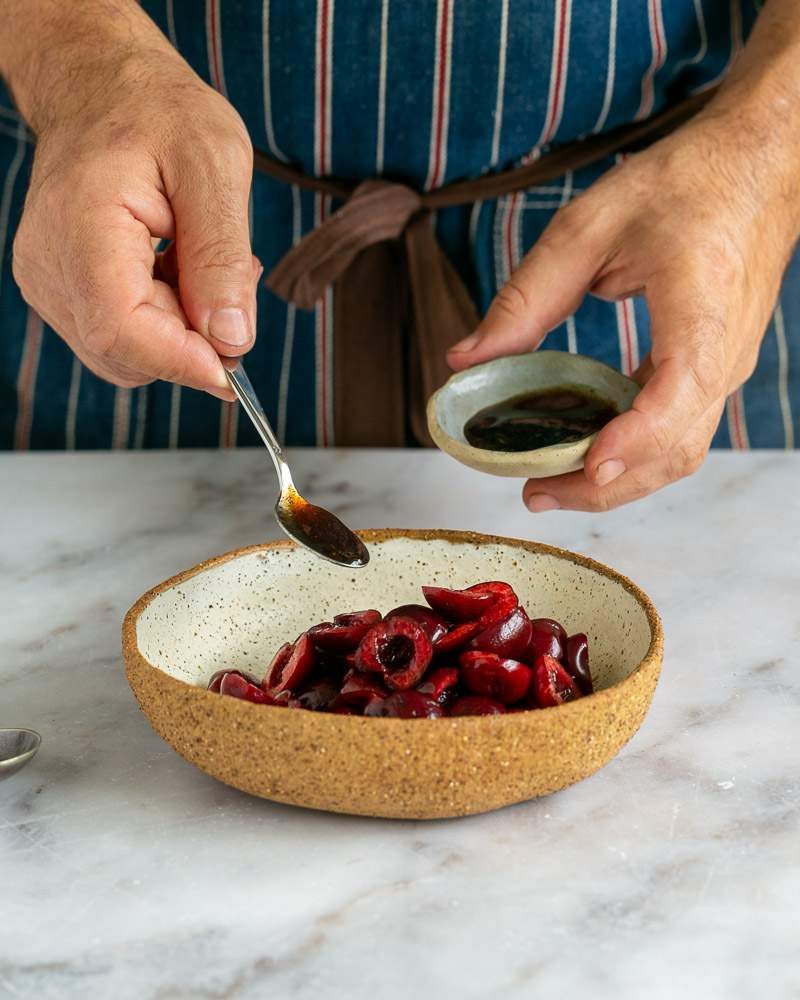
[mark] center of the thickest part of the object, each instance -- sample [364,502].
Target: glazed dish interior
[235,613]
[486,385]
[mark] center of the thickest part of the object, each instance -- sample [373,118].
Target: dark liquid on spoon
[324,532]
[539,419]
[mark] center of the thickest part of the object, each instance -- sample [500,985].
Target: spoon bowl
[312,527]
[317,529]
[17,747]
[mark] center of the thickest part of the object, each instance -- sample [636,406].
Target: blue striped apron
[426,93]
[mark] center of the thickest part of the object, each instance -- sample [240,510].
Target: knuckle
[568,224]
[512,299]
[220,253]
[599,501]
[101,339]
[687,459]
[657,430]
[130,381]
[19,265]
[707,372]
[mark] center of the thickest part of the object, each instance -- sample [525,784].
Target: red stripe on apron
[441,95]
[659,46]
[558,72]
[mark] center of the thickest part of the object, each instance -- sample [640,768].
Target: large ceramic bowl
[468,392]
[235,610]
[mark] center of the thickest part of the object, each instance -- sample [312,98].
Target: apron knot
[376,211]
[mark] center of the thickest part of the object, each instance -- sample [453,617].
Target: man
[133,146]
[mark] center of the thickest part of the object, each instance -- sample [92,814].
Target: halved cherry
[433,624]
[552,626]
[345,632]
[216,679]
[511,636]
[316,697]
[472,704]
[290,666]
[398,648]
[552,684]
[577,662]
[273,673]
[543,643]
[494,676]
[503,603]
[405,705]
[360,689]
[439,684]
[456,638]
[458,605]
[234,684]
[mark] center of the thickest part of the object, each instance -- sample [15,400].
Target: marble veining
[126,873]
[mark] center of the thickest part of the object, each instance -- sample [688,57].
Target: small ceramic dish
[234,611]
[470,391]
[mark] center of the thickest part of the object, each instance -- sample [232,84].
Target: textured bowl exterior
[414,769]
[468,392]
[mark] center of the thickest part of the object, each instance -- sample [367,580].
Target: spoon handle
[247,397]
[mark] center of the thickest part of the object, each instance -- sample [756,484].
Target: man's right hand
[138,148]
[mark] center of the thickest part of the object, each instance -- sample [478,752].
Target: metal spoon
[312,527]
[17,747]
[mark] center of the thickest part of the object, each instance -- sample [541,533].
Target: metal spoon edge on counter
[17,748]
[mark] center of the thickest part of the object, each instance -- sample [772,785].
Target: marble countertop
[126,873]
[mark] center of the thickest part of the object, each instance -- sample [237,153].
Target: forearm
[760,100]
[50,50]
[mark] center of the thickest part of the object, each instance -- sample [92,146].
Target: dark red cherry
[433,624]
[495,676]
[543,643]
[456,638]
[552,626]
[273,673]
[289,669]
[398,648]
[552,684]
[577,662]
[216,679]
[504,601]
[317,696]
[360,689]
[405,705]
[237,686]
[345,632]
[458,605]
[509,637]
[472,704]
[439,684]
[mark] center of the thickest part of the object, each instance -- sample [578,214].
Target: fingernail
[230,326]
[608,471]
[540,502]
[467,344]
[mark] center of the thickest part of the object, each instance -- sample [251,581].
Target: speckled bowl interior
[470,391]
[235,610]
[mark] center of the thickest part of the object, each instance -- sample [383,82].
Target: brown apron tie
[394,285]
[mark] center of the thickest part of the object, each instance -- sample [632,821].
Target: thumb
[217,276]
[547,287]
